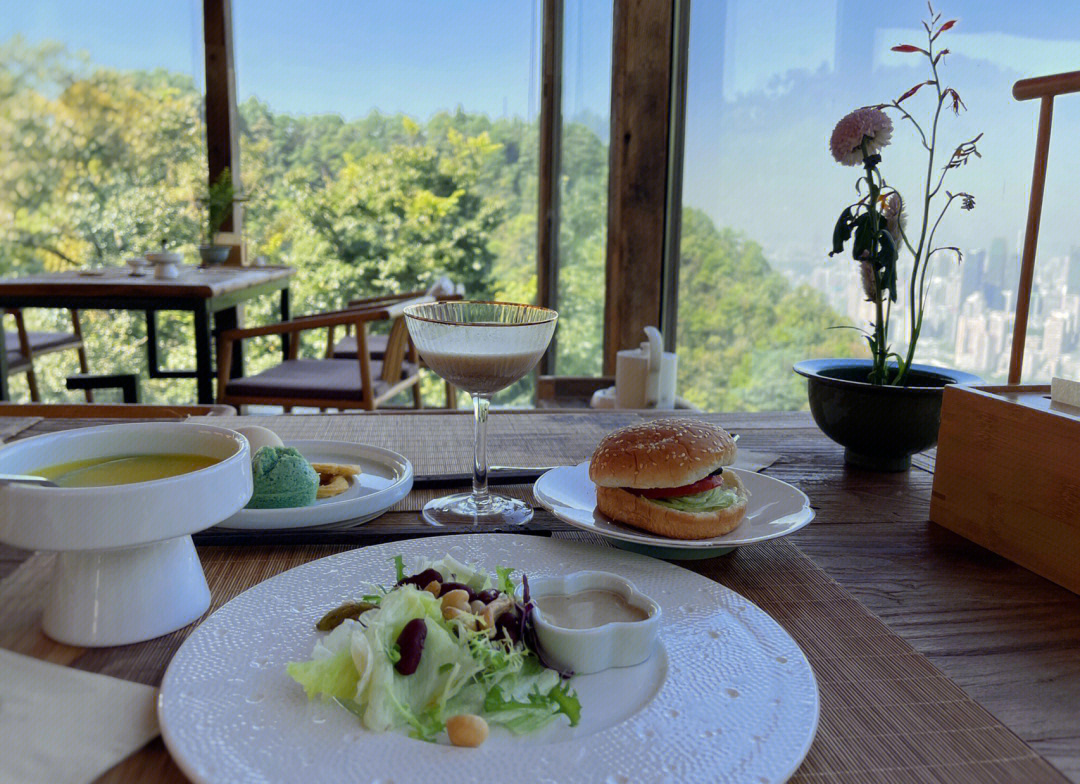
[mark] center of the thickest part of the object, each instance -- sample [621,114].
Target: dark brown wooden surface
[638,175]
[117,282]
[1008,638]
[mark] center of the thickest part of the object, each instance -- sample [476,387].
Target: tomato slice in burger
[708,483]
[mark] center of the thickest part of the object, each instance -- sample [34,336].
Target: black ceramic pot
[880,427]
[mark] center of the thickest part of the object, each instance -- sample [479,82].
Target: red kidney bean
[411,645]
[447,587]
[421,580]
[488,596]
[508,625]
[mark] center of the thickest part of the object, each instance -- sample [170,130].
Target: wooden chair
[376,344]
[362,382]
[23,346]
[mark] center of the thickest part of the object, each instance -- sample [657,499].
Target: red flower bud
[908,48]
[912,91]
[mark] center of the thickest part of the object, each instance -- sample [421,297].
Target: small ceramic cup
[618,644]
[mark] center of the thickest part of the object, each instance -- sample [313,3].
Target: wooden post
[547,230]
[222,127]
[1044,88]
[1031,239]
[641,82]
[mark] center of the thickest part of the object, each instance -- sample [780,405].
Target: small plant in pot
[886,408]
[218,203]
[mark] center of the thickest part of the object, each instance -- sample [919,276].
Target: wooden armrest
[304,323]
[368,301]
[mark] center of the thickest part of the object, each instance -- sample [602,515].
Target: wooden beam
[641,80]
[1031,239]
[222,126]
[669,291]
[547,230]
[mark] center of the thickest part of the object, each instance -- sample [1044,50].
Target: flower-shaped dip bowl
[126,568]
[600,647]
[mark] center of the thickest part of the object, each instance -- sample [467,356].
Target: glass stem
[480,464]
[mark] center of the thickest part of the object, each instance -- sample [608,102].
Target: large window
[583,178]
[384,145]
[761,192]
[102,153]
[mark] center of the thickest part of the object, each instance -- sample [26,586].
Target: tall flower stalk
[876,223]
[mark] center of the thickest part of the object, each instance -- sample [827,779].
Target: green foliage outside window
[98,164]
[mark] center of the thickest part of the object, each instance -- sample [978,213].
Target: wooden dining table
[937,661]
[209,294]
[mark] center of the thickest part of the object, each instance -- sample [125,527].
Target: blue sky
[348,56]
[422,56]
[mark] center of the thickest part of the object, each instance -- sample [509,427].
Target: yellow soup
[123,469]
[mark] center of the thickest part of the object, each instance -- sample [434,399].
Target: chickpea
[457,599]
[477,606]
[433,588]
[466,729]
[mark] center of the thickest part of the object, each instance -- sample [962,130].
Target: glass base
[462,509]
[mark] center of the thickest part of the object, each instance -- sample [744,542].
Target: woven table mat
[12,425]
[440,444]
[887,715]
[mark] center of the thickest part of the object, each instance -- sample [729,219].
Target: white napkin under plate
[65,726]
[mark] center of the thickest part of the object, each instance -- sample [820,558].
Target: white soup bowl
[126,568]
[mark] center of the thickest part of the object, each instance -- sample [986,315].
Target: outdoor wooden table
[211,292]
[937,661]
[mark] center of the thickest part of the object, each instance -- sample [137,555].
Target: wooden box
[1007,476]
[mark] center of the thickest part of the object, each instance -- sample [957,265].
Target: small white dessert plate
[386,477]
[726,698]
[775,509]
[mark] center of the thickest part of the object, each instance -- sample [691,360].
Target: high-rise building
[971,273]
[997,265]
[1072,273]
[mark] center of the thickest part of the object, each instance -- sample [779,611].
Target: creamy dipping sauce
[123,469]
[588,609]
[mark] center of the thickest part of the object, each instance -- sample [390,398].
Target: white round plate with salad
[774,509]
[726,696]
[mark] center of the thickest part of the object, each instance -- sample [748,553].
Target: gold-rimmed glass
[480,347]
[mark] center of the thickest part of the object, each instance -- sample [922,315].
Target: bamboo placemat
[887,714]
[13,425]
[443,444]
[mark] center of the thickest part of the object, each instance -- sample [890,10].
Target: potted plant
[218,203]
[886,408]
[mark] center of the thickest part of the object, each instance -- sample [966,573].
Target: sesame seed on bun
[671,454]
[661,453]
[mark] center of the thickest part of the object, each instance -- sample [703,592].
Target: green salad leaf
[708,501]
[459,670]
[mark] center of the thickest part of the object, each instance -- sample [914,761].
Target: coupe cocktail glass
[480,347]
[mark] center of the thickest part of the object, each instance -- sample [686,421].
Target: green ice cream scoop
[282,478]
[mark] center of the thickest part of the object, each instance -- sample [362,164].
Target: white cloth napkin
[754,461]
[66,726]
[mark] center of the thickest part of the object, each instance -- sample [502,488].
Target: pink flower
[869,123]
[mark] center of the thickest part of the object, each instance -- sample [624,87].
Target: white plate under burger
[385,478]
[774,509]
[727,696]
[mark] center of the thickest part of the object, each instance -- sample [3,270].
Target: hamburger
[667,477]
